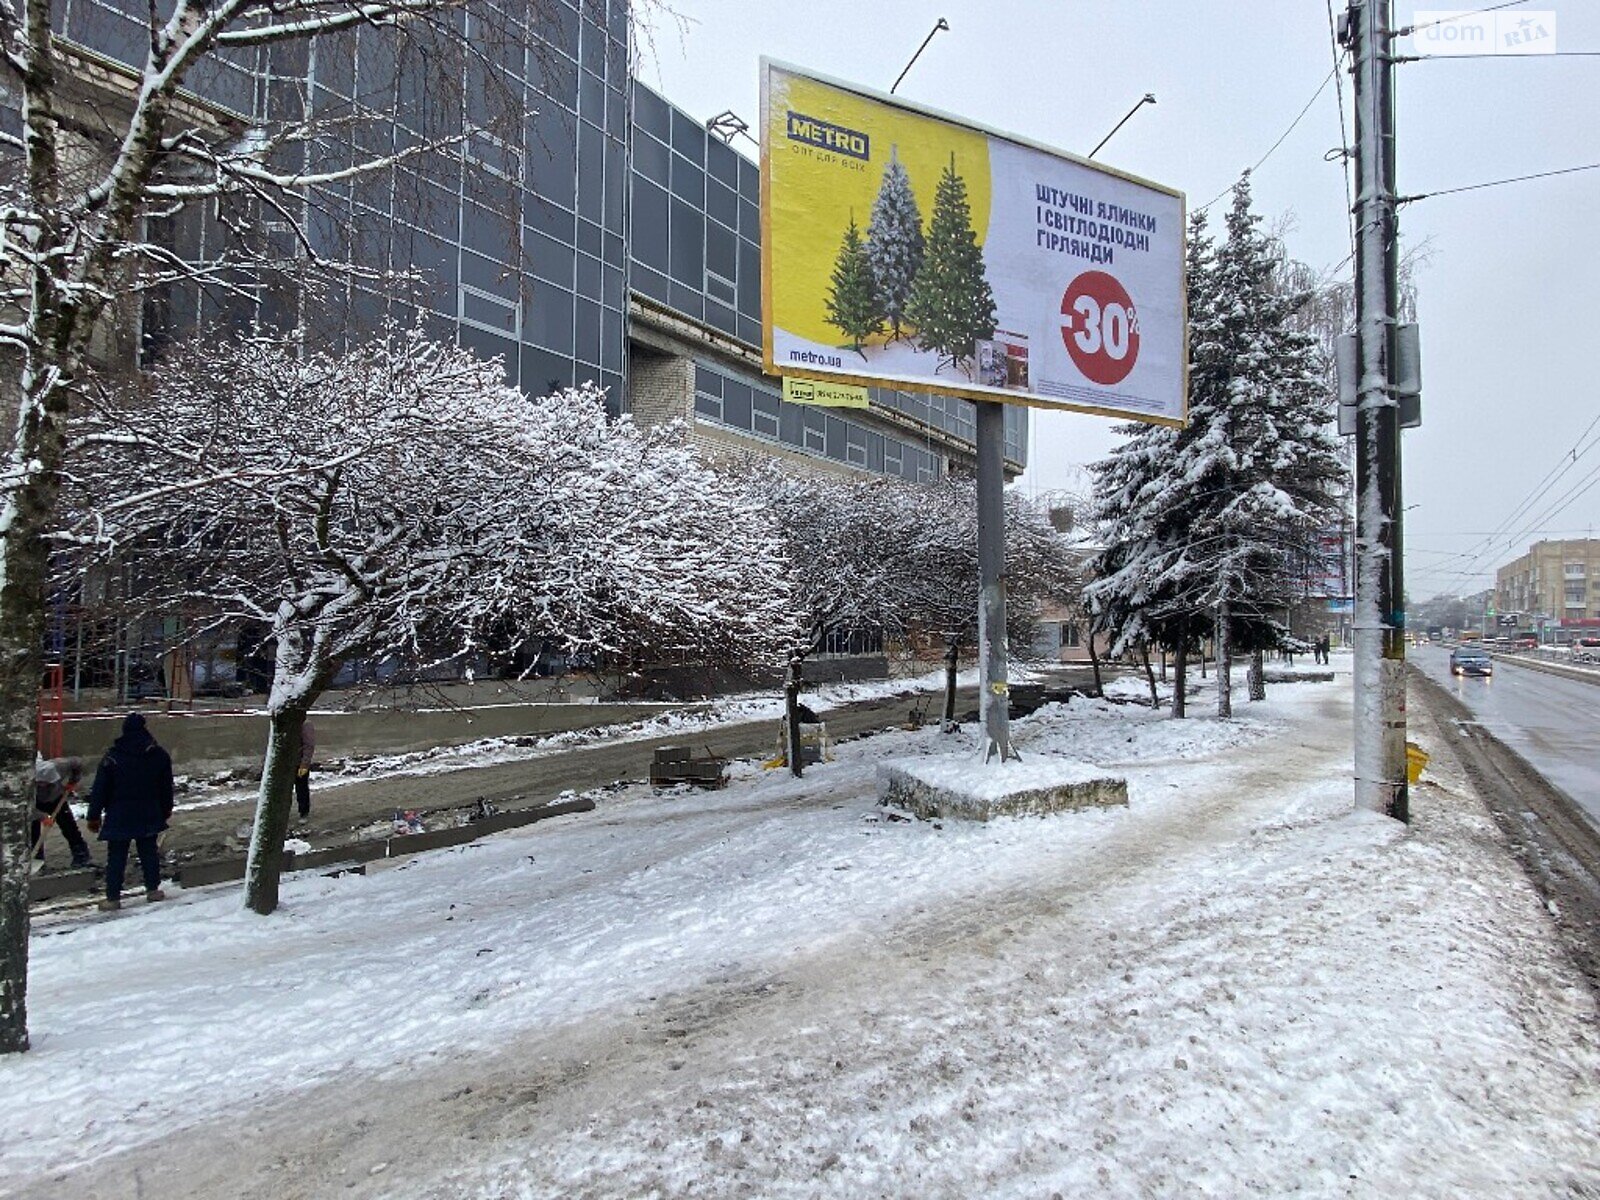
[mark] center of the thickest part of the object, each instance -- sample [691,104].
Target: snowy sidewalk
[1235,985]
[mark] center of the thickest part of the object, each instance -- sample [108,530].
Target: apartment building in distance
[1555,585]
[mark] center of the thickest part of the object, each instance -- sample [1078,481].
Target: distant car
[1470,661]
[1527,643]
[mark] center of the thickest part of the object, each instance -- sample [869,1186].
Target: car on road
[1469,660]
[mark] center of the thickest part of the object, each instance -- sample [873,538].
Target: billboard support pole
[994,700]
[1380,725]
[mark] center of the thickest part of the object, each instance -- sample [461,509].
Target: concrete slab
[963,788]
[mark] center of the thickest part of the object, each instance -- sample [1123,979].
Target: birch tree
[399,501]
[102,155]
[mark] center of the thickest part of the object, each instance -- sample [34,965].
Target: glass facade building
[588,203]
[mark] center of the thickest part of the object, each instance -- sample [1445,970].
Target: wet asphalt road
[1552,722]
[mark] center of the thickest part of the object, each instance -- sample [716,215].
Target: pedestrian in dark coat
[133,792]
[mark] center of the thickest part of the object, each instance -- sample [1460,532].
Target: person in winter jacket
[53,780]
[133,794]
[302,774]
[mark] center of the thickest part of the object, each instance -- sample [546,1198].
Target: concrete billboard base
[962,788]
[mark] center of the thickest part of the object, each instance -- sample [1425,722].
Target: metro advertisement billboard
[907,248]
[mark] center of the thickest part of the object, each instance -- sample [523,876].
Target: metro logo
[826,136]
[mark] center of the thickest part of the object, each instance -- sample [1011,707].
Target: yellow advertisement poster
[824,394]
[904,247]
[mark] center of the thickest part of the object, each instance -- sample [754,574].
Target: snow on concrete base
[963,787]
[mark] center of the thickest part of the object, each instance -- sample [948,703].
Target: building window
[1070,637]
[852,641]
[484,311]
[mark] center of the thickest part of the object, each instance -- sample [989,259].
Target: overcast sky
[1509,296]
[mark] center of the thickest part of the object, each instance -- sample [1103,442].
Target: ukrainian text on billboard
[905,248]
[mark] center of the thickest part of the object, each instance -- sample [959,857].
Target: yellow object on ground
[1416,760]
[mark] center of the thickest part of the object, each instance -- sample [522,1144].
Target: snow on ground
[486,752]
[1235,985]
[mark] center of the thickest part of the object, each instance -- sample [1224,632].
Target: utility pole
[994,693]
[1380,686]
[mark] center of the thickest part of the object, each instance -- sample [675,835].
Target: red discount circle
[1100,327]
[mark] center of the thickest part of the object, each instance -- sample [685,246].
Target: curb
[350,854]
[1549,668]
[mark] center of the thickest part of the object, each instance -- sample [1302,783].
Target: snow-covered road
[1233,986]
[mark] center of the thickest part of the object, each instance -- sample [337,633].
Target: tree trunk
[265,863]
[791,714]
[1224,663]
[35,456]
[1258,676]
[1180,674]
[1149,675]
[952,652]
[1094,661]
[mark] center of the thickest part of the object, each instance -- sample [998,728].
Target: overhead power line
[1477,12]
[1474,187]
[1322,87]
[1411,58]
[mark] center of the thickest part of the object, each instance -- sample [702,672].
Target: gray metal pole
[1380,696]
[994,702]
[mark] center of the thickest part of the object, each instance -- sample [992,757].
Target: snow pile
[1235,985]
[968,775]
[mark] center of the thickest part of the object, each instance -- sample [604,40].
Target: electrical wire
[1344,132]
[1406,31]
[1478,551]
[1473,187]
[1322,87]
[1411,58]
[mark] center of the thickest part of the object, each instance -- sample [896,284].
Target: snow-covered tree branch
[107,157]
[399,501]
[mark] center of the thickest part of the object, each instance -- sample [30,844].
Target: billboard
[906,248]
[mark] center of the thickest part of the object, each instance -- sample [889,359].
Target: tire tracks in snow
[364,1136]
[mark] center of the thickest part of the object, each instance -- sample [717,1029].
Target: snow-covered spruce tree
[852,302]
[1146,585]
[103,160]
[951,302]
[400,502]
[895,243]
[1213,520]
[1284,482]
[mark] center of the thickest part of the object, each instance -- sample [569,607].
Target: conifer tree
[1211,523]
[895,243]
[853,297]
[951,302]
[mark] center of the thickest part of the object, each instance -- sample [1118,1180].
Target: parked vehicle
[1469,660]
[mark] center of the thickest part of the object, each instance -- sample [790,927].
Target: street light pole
[938,27]
[1147,98]
[1380,686]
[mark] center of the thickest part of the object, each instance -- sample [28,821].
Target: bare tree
[105,156]
[399,501]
